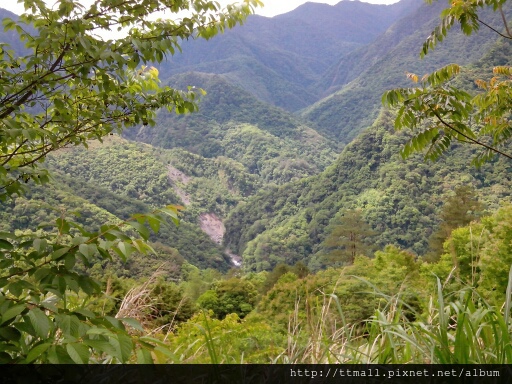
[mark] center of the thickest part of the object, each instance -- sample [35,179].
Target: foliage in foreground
[392,308]
[457,327]
[68,87]
[440,113]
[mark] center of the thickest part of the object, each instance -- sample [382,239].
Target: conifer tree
[347,238]
[458,211]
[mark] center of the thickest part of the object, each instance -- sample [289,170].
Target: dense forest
[303,225]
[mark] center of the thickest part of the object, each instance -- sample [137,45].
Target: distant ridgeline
[260,168]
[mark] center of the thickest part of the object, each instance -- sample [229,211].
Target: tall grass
[457,328]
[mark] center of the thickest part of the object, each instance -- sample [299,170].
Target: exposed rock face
[176,176]
[210,223]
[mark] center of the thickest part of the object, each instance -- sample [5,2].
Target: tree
[230,296]
[439,113]
[346,239]
[72,87]
[458,210]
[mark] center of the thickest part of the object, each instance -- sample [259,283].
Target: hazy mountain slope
[11,37]
[414,20]
[277,59]
[352,21]
[269,142]
[383,64]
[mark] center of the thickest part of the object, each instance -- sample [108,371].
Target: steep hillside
[10,37]
[268,141]
[214,161]
[365,74]
[279,59]
[352,21]
[399,199]
[107,183]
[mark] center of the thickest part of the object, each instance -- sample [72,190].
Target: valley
[302,227]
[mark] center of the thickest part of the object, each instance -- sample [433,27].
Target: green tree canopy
[230,296]
[439,113]
[347,238]
[72,87]
[458,210]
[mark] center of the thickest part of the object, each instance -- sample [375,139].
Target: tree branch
[470,139]
[505,21]
[29,87]
[495,30]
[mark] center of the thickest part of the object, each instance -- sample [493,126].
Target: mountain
[261,180]
[11,37]
[107,183]
[399,199]
[362,76]
[268,141]
[280,59]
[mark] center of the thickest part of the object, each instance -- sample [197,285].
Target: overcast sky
[271,8]
[277,7]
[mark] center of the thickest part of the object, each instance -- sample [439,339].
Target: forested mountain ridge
[399,199]
[238,234]
[280,59]
[337,88]
[363,75]
[236,144]
[270,142]
[110,182]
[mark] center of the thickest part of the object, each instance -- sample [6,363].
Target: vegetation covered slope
[231,123]
[108,183]
[366,73]
[278,59]
[399,199]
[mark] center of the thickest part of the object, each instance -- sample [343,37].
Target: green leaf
[123,345]
[57,354]
[124,250]
[9,333]
[85,312]
[101,346]
[144,357]
[69,325]
[16,288]
[5,358]
[37,351]
[88,250]
[154,223]
[40,245]
[99,331]
[12,312]
[63,225]
[143,231]
[41,273]
[69,261]
[133,323]
[40,322]
[59,253]
[79,353]
[4,244]
[88,285]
